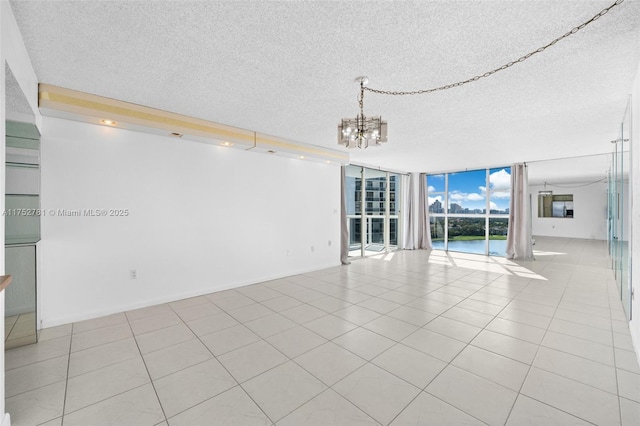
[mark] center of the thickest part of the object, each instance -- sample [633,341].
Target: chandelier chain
[501,68]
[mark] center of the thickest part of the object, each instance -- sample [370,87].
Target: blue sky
[468,189]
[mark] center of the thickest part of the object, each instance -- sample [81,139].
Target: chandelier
[362,131]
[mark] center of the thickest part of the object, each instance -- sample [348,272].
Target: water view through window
[469,211]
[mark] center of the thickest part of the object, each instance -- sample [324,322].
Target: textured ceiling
[288,69]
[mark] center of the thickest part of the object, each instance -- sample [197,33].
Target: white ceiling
[287,68]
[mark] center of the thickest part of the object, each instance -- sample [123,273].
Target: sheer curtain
[424,232]
[519,232]
[408,216]
[344,230]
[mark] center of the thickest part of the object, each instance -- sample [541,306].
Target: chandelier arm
[495,70]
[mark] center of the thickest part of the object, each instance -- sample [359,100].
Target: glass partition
[22,231]
[619,206]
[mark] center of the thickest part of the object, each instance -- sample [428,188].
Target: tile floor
[408,338]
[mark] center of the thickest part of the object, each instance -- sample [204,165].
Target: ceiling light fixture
[109,122]
[362,131]
[226,143]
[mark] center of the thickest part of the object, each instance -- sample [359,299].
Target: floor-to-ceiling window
[469,210]
[373,210]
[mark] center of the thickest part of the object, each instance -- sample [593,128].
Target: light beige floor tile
[391,328]
[281,303]
[412,316]
[535,308]
[585,319]
[188,303]
[330,304]
[230,301]
[364,343]
[54,422]
[376,392]
[428,410]
[175,358]
[623,341]
[330,326]
[491,366]
[307,295]
[296,341]
[138,406]
[379,305]
[230,408]
[328,409]
[429,305]
[19,357]
[191,386]
[54,332]
[100,336]
[357,314]
[630,412]
[229,339]
[575,398]
[454,329]
[474,395]
[102,356]
[517,330]
[283,389]
[303,313]
[34,376]
[156,322]
[529,412]
[36,406]
[251,360]
[270,325]
[398,296]
[479,306]
[149,311]
[95,323]
[200,310]
[434,344]
[409,364]
[582,370]
[211,324]
[579,347]
[329,362]
[250,312]
[163,338]
[627,360]
[104,383]
[581,331]
[524,317]
[629,385]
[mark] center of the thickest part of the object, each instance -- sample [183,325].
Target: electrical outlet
[313,249]
[133,274]
[329,243]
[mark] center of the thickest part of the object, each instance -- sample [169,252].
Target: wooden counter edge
[5,280]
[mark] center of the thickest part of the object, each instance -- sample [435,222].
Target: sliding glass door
[469,210]
[373,210]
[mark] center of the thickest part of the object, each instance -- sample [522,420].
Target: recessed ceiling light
[226,143]
[109,122]
[176,134]
[301,157]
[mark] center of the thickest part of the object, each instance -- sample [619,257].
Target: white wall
[635,212]
[201,218]
[589,217]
